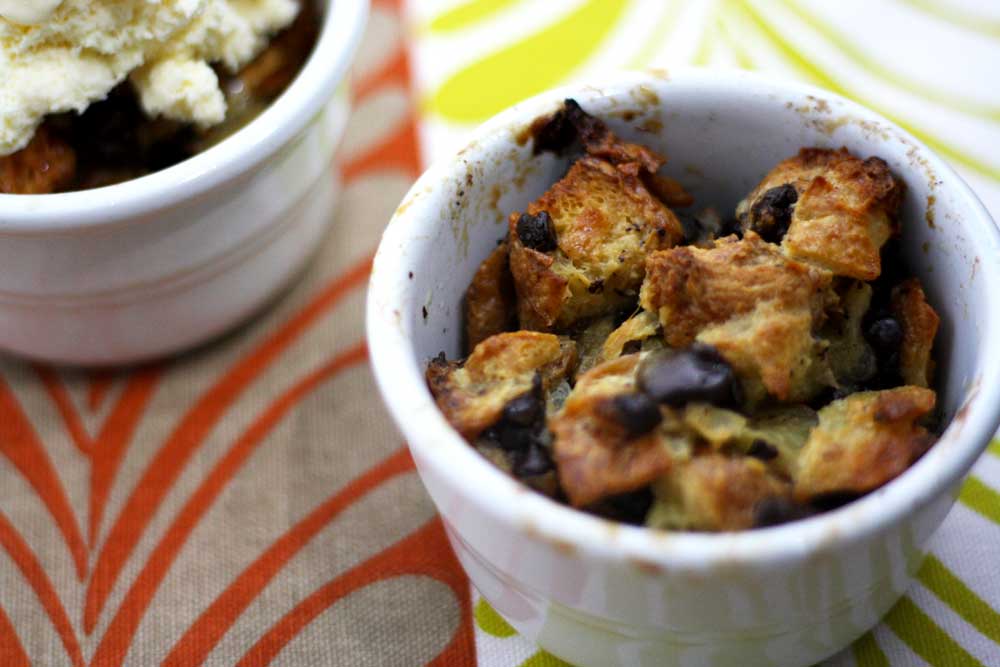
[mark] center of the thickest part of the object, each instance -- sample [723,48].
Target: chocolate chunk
[760,449]
[561,129]
[833,500]
[730,226]
[628,507]
[691,227]
[637,412]
[525,410]
[885,335]
[555,134]
[532,462]
[697,373]
[537,231]
[777,510]
[771,214]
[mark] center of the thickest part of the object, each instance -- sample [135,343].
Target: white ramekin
[161,263]
[596,593]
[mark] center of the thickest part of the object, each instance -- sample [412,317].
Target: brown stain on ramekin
[647,567]
[650,126]
[564,548]
[929,213]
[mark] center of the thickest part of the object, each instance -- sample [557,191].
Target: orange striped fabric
[247,503]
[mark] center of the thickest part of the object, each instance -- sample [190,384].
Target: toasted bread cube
[472,395]
[845,209]
[920,325]
[756,306]
[773,351]
[594,453]
[490,302]
[606,222]
[46,165]
[632,332]
[714,493]
[863,441]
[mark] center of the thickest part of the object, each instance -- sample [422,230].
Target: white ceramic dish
[596,593]
[164,262]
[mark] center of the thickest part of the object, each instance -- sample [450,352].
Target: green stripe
[706,44]
[543,659]
[815,73]
[656,38]
[867,652]
[980,24]
[490,622]
[541,60]
[927,640]
[468,14]
[963,600]
[994,448]
[875,66]
[743,58]
[978,496]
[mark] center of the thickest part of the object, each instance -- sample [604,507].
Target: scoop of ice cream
[27,12]
[84,48]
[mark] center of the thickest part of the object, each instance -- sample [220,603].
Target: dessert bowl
[160,263]
[595,592]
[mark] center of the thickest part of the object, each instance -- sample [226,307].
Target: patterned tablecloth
[250,503]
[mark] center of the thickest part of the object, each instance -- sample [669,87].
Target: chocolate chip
[833,500]
[885,334]
[776,510]
[554,134]
[730,226]
[829,394]
[692,229]
[532,462]
[771,214]
[760,449]
[697,373]
[629,507]
[637,412]
[525,410]
[516,438]
[537,231]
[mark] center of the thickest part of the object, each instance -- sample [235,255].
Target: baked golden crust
[635,329]
[594,454]
[719,429]
[46,165]
[606,222]
[502,367]
[541,292]
[691,287]
[773,351]
[715,493]
[845,211]
[920,325]
[756,306]
[490,301]
[863,441]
